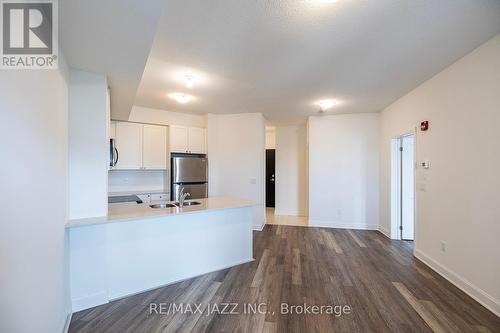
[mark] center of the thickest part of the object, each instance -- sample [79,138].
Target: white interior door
[407,187]
[154,147]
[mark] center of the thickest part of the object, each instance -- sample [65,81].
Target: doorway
[403,187]
[270,176]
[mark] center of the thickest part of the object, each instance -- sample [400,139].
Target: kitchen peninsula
[137,247]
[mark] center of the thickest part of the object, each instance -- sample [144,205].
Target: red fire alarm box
[424,125]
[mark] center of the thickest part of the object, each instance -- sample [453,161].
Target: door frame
[395,186]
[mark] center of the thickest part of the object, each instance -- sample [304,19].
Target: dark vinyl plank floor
[385,287]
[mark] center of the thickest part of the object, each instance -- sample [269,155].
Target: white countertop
[129,211]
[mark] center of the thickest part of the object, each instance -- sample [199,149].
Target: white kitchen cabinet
[112,129]
[196,140]
[129,145]
[153,197]
[141,146]
[160,197]
[178,139]
[187,140]
[154,155]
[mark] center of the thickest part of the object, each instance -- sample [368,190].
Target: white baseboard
[68,322]
[385,231]
[288,213]
[461,283]
[78,304]
[342,225]
[259,227]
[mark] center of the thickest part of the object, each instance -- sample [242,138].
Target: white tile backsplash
[138,180]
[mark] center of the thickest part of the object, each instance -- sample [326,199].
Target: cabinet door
[154,151]
[196,140]
[160,197]
[112,129]
[129,145]
[178,139]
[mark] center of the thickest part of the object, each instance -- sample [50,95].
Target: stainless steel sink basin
[188,203]
[163,205]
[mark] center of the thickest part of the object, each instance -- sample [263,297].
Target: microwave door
[111,152]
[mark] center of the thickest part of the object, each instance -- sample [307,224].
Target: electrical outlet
[443,247]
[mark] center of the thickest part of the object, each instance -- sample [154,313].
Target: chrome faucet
[182,197]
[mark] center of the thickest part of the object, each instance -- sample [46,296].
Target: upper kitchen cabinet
[196,140]
[154,155]
[141,146]
[112,129]
[129,145]
[187,140]
[178,139]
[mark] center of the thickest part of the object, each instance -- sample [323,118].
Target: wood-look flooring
[387,289]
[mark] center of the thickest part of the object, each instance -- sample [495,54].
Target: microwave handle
[116,152]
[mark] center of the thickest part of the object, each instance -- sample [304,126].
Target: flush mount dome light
[181,98]
[326,104]
[322,1]
[189,80]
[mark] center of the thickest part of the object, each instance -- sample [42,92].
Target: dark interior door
[270,156]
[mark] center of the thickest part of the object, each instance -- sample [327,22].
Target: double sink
[175,204]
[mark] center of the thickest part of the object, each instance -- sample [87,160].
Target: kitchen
[158,192]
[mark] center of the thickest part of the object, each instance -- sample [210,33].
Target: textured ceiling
[279,57]
[111,37]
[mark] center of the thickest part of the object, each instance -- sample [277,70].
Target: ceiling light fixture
[322,1]
[189,80]
[326,104]
[181,98]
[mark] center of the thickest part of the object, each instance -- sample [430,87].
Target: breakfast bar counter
[130,211]
[137,248]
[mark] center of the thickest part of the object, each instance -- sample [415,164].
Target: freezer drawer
[189,170]
[197,191]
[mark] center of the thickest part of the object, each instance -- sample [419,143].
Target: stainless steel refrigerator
[191,173]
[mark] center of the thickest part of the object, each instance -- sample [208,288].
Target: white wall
[290,176]
[161,117]
[461,203]
[236,155]
[343,171]
[34,179]
[270,137]
[88,145]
